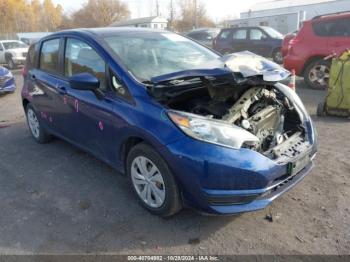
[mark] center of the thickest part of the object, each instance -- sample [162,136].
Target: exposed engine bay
[261,109]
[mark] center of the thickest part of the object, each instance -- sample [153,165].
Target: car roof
[333,16]
[107,31]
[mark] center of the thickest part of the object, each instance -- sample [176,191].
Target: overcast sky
[217,9]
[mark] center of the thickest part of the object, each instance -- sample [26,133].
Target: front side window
[49,55]
[224,35]
[147,55]
[240,35]
[82,58]
[256,34]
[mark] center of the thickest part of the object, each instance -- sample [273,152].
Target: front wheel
[317,74]
[38,132]
[152,181]
[10,64]
[277,56]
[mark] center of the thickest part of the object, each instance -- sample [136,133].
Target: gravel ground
[58,199]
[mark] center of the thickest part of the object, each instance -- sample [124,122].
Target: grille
[3,79]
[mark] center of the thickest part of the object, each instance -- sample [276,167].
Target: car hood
[249,64]
[18,50]
[245,63]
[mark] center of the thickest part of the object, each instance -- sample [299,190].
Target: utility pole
[157,3]
[195,14]
[171,17]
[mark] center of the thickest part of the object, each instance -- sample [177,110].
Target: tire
[277,56]
[39,134]
[10,64]
[316,74]
[152,181]
[321,112]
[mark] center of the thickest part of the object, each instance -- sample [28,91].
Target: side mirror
[84,81]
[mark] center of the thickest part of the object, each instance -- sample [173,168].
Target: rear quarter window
[30,61]
[332,28]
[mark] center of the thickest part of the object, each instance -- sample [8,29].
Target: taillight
[293,42]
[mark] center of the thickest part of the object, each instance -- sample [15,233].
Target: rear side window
[82,58]
[334,28]
[49,55]
[240,35]
[257,34]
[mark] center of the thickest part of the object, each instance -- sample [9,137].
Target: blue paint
[202,170]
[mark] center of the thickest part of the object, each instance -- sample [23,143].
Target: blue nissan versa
[187,126]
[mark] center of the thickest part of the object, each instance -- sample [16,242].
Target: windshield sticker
[175,37]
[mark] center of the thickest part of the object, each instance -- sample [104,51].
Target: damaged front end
[241,105]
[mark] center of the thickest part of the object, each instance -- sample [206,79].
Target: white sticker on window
[175,37]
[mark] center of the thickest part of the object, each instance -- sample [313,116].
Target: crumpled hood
[250,64]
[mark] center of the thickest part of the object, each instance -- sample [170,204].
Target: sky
[217,9]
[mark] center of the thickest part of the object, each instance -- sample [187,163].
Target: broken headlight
[212,131]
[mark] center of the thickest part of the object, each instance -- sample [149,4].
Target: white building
[287,15]
[155,22]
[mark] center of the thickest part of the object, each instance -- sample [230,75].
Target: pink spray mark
[100,125]
[65,99]
[43,115]
[76,105]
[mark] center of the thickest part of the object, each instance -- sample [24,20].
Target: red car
[318,38]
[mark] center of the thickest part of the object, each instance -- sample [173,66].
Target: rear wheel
[38,132]
[152,181]
[317,74]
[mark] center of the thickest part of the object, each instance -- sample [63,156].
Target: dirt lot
[57,199]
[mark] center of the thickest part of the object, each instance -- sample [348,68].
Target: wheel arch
[25,103]
[311,60]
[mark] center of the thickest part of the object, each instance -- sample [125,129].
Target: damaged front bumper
[224,181]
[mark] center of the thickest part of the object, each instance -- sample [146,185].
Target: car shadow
[57,198]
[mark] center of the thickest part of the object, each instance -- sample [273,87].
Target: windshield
[14,44]
[151,54]
[273,33]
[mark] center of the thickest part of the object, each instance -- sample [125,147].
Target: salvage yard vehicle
[331,32]
[261,40]
[7,81]
[189,128]
[12,53]
[205,36]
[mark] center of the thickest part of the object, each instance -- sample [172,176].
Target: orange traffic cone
[292,80]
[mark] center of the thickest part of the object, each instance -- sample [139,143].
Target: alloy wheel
[319,75]
[33,123]
[148,182]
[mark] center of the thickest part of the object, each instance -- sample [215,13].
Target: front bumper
[8,86]
[292,62]
[219,180]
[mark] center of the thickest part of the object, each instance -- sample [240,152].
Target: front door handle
[61,89]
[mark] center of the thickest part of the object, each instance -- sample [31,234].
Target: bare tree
[192,14]
[98,13]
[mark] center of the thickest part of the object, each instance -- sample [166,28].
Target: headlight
[212,131]
[9,75]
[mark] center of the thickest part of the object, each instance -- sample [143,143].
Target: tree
[98,13]
[192,14]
